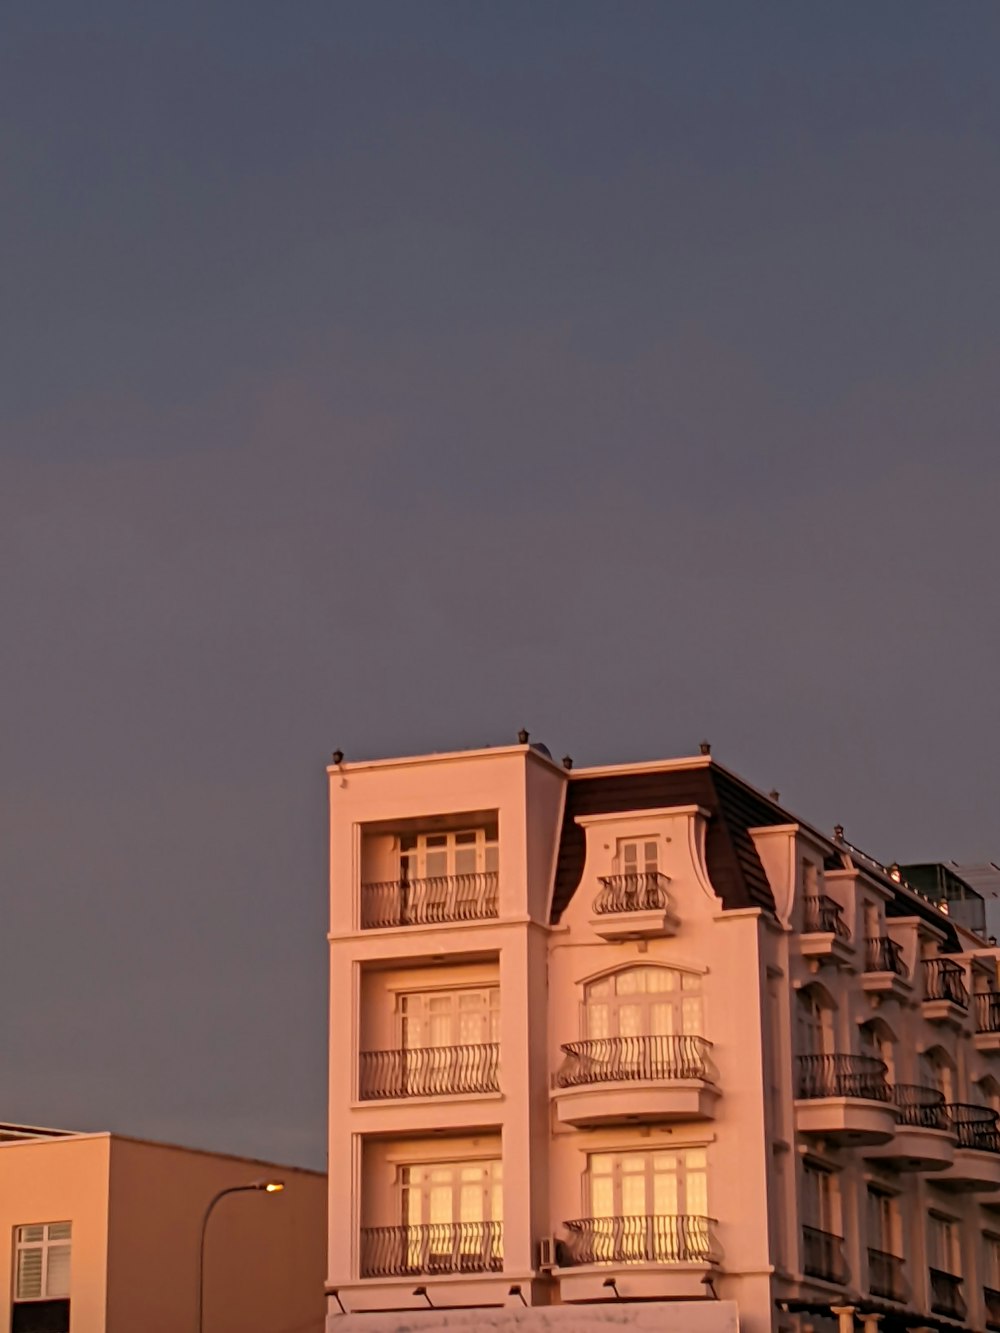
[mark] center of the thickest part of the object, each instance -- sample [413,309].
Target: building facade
[636,1036]
[104,1237]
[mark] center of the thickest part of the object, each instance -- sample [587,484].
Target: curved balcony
[823,1256]
[429,1071]
[946,1294]
[437,1247]
[987,1013]
[946,996]
[924,1138]
[885,972]
[885,1275]
[977,1153]
[635,906]
[430,902]
[611,1080]
[656,1256]
[844,1098]
[826,936]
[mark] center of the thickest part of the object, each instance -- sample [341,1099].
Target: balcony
[946,997]
[826,936]
[987,1011]
[656,1256]
[946,1294]
[977,1154]
[635,906]
[845,1099]
[613,1080]
[991,1299]
[823,1256]
[437,1247]
[430,902]
[430,1071]
[885,1275]
[885,972]
[924,1138]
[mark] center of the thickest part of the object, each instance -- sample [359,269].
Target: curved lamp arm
[268,1187]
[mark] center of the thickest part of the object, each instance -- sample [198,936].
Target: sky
[391,376]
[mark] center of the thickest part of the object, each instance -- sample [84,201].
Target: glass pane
[691,1016]
[492,858]
[57,1277]
[630,1020]
[436,863]
[602,1199]
[29,1274]
[32,1233]
[690,981]
[598,1024]
[659,979]
[665,1200]
[471,1203]
[696,1193]
[634,1195]
[465,861]
[650,857]
[601,1164]
[661,1020]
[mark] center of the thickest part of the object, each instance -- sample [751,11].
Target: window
[991,1261]
[937,1073]
[660,1184]
[877,1043]
[943,1248]
[41,1266]
[637,857]
[449,1192]
[881,1221]
[821,1199]
[815,1024]
[438,855]
[643,1002]
[449,1018]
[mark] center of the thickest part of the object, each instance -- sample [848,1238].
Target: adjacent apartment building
[104,1236]
[636,1039]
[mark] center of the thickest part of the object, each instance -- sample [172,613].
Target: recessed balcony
[991,1299]
[987,1010]
[946,1294]
[826,936]
[635,906]
[437,901]
[653,1256]
[885,1275]
[614,1080]
[977,1153]
[845,1099]
[431,1249]
[823,1256]
[946,996]
[885,972]
[924,1138]
[430,1071]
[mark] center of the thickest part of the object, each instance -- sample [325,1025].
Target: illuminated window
[644,1002]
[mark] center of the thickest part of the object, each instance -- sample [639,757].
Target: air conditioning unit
[547,1252]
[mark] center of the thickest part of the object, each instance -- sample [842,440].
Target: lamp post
[268,1187]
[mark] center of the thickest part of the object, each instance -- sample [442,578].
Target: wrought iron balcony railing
[436,1247]
[883,954]
[946,1294]
[639,1240]
[610,1059]
[429,902]
[945,980]
[885,1275]
[429,1071]
[632,893]
[975,1126]
[823,1255]
[922,1107]
[991,1299]
[822,915]
[988,1012]
[859,1076]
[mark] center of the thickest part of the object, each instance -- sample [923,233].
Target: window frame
[45,1245]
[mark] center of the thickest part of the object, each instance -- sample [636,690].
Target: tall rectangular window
[821,1199]
[42,1261]
[637,856]
[943,1245]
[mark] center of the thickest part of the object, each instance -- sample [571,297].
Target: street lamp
[267,1187]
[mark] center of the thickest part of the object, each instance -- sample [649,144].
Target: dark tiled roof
[733,864]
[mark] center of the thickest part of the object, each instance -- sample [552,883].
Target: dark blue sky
[393,375]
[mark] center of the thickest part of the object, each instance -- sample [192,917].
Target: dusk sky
[394,375]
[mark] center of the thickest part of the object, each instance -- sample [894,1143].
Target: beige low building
[635,1045]
[103,1236]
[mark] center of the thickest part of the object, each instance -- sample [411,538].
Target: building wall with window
[637,1035]
[103,1237]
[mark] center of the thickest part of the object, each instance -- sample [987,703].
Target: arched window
[814,1020]
[877,1040]
[644,1002]
[937,1071]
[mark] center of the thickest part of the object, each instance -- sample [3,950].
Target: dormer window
[637,857]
